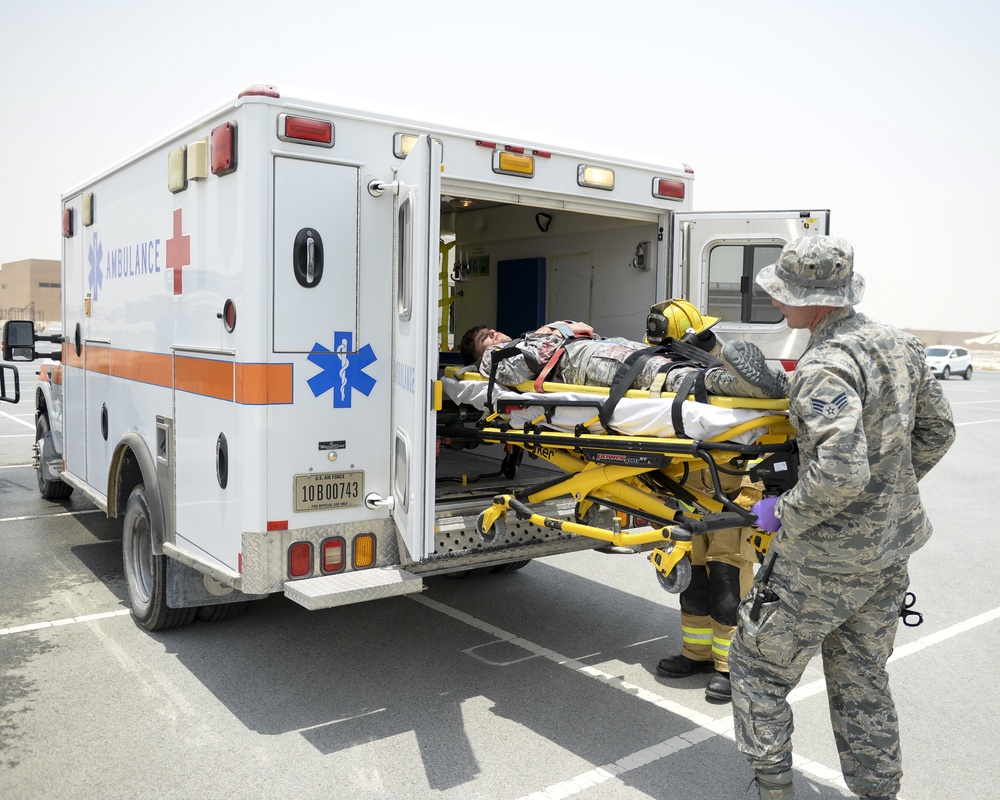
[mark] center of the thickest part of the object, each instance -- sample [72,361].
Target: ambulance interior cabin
[515,267]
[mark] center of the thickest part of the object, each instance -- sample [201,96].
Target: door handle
[374,500]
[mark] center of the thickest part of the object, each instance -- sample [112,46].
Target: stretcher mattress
[634,415]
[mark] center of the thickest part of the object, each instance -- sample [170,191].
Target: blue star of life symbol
[341,369]
[96,278]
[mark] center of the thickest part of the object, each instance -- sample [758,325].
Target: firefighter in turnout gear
[722,561]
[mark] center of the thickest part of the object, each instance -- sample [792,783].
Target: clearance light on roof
[668,189]
[177,169]
[87,209]
[364,550]
[223,148]
[402,144]
[197,160]
[506,163]
[595,177]
[305,130]
[260,90]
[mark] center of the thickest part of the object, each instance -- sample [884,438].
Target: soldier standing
[871,421]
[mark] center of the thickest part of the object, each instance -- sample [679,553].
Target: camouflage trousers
[852,619]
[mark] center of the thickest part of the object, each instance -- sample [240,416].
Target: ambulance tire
[474,572]
[501,569]
[145,572]
[50,490]
[221,611]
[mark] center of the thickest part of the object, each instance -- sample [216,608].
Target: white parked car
[946,361]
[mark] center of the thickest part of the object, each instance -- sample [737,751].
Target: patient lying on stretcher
[571,352]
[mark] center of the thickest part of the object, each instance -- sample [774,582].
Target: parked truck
[256,310]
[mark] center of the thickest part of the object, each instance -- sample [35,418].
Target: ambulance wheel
[474,572]
[501,569]
[221,611]
[145,572]
[50,490]
[679,578]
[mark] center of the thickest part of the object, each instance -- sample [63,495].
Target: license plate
[317,491]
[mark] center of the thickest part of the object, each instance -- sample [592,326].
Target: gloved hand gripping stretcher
[633,453]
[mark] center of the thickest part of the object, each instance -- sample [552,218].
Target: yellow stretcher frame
[622,487]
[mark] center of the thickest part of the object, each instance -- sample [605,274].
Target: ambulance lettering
[341,369]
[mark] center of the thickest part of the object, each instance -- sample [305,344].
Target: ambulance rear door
[716,257]
[416,229]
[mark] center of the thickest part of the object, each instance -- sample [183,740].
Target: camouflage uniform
[871,422]
[586,362]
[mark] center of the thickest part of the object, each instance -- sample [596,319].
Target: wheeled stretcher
[634,454]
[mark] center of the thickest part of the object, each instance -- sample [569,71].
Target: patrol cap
[814,271]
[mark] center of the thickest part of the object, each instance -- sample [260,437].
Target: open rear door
[716,257]
[414,368]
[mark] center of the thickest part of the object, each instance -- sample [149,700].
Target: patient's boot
[746,373]
[776,787]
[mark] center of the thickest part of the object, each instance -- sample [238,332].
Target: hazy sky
[887,113]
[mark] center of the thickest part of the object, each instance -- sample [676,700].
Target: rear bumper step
[328,591]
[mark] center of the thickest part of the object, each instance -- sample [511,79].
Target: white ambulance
[256,310]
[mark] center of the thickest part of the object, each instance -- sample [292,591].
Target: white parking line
[18,421]
[976,422]
[707,726]
[37,626]
[47,516]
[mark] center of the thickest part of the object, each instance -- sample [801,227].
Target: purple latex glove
[766,519]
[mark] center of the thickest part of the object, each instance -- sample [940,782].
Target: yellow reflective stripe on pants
[722,635]
[696,633]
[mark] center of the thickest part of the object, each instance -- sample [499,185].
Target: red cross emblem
[178,251]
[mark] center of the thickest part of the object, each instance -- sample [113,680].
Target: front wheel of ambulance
[145,572]
[50,490]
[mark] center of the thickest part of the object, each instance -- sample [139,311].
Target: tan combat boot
[776,787]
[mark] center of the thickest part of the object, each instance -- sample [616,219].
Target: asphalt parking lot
[539,683]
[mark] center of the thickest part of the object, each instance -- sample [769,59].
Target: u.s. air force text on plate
[317,491]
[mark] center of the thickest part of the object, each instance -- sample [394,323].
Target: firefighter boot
[776,787]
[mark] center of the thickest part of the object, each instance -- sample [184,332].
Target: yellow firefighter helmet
[673,318]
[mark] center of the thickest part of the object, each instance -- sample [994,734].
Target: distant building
[31,289]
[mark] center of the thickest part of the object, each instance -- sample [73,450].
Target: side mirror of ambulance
[18,340]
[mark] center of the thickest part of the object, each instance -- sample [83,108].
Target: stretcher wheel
[679,578]
[498,529]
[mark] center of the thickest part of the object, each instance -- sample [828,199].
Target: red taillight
[277,524]
[332,556]
[67,222]
[666,188]
[223,147]
[303,129]
[300,559]
[259,90]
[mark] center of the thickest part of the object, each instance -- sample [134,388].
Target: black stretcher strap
[695,379]
[624,377]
